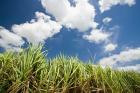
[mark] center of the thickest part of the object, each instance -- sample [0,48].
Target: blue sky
[112,40]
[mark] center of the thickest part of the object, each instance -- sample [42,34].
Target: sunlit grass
[30,71]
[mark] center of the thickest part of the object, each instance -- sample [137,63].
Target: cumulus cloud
[37,30]
[110,47]
[97,36]
[10,40]
[81,16]
[124,56]
[108,4]
[130,68]
[106,20]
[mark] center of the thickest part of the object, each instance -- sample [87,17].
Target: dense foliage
[30,71]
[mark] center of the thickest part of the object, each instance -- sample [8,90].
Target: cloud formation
[130,68]
[106,20]
[106,5]
[81,16]
[10,40]
[125,56]
[37,30]
[97,36]
[110,47]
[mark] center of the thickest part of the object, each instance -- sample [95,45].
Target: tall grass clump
[30,71]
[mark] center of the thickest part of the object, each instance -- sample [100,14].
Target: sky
[106,31]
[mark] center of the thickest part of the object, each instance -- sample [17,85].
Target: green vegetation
[30,71]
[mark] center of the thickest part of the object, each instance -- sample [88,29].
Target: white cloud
[81,16]
[130,68]
[110,47]
[106,20]
[124,56]
[97,36]
[108,4]
[10,40]
[37,30]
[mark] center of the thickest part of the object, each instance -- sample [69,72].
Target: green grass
[30,71]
